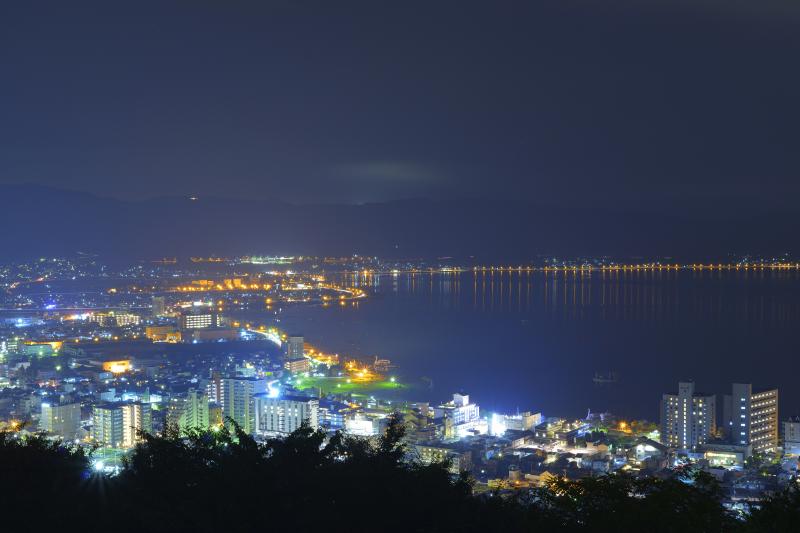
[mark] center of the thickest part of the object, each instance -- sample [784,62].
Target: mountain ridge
[41,220]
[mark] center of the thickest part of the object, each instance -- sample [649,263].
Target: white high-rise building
[189,412]
[136,418]
[688,418]
[238,403]
[281,416]
[107,425]
[459,410]
[752,418]
[63,420]
[119,425]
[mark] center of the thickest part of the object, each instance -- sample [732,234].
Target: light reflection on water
[535,339]
[751,296]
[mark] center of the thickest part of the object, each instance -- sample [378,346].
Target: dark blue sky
[650,104]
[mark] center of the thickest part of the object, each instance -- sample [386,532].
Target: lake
[536,341]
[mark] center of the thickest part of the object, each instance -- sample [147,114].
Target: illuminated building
[107,425]
[118,425]
[647,449]
[11,346]
[295,347]
[459,415]
[238,403]
[235,283]
[114,318]
[136,418]
[102,319]
[246,370]
[298,366]
[752,418]
[214,388]
[63,420]
[520,422]
[173,337]
[331,414]
[117,367]
[189,412]
[199,316]
[39,349]
[366,425]
[791,436]
[281,416]
[721,454]
[198,321]
[688,418]
[162,334]
[127,319]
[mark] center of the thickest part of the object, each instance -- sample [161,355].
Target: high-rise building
[199,320]
[196,412]
[752,418]
[189,412]
[159,307]
[107,425]
[214,388]
[238,403]
[688,418]
[63,420]
[791,436]
[281,416]
[199,316]
[460,416]
[295,347]
[118,425]
[136,418]
[459,410]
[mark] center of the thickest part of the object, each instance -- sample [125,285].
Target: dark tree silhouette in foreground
[226,481]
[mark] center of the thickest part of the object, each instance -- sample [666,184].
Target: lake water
[535,341]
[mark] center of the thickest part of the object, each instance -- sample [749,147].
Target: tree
[779,512]
[619,502]
[36,475]
[309,481]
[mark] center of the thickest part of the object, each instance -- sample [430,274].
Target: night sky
[687,105]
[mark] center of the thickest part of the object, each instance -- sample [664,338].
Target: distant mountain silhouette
[39,221]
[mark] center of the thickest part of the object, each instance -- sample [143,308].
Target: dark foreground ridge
[225,481]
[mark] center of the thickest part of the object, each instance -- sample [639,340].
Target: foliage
[36,473]
[623,503]
[779,512]
[227,481]
[310,481]
[642,427]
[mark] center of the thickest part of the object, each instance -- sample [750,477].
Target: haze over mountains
[39,221]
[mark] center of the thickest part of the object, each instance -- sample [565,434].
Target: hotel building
[688,418]
[751,418]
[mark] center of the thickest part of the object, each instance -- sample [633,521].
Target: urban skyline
[451,266]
